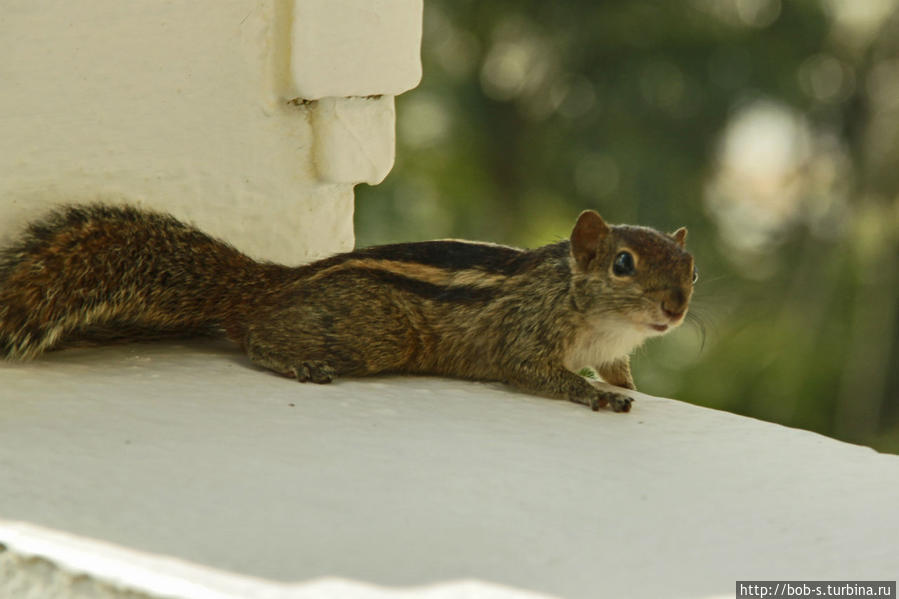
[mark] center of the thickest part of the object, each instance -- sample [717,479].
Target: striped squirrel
[529,318]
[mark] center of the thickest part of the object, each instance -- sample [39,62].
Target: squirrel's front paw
[617,401]
[315,371]
[620,403]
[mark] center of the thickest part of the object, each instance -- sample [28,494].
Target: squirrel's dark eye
[695,274]
[623,266]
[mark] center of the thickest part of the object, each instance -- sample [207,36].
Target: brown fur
[530,318]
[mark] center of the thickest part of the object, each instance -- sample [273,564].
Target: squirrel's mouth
[659,327]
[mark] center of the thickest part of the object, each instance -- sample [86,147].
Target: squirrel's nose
[672,314]
[675,304]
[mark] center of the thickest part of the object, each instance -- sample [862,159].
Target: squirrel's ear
[588,233]
[680,236]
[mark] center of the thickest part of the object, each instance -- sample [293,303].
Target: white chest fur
[598,345]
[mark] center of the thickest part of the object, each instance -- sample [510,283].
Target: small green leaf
[588,373]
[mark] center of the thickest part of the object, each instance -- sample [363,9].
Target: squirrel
[533,319]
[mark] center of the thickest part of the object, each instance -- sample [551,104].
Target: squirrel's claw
[621,403]
[315,371]
[618,402]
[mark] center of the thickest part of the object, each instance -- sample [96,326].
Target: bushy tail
[99,272]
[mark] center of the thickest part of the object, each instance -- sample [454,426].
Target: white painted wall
[193,108]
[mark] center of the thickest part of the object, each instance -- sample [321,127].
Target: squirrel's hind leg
[303,370]
[305,363]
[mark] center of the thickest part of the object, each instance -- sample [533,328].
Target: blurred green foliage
[769,128]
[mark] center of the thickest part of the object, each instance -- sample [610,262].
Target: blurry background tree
[770,128]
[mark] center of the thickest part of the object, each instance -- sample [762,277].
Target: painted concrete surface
[188,452]
[192,108]
[346,48]
[38,563]
[354,139]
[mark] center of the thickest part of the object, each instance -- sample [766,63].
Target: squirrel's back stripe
[432,275]
[463,294]
[453,254]
[445,262]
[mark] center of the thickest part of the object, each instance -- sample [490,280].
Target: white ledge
[199,470]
